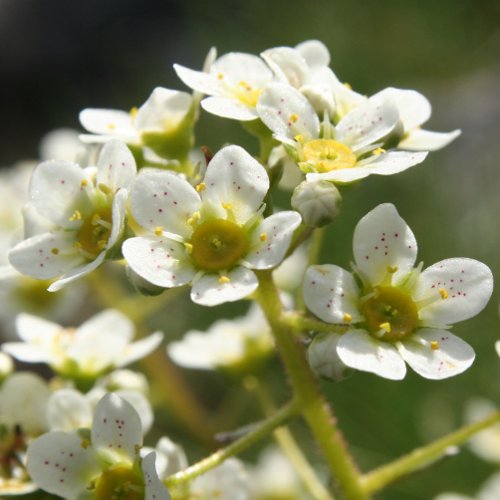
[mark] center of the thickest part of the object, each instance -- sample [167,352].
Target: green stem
[315,409]
[260,431]
[421,457]
[289,446]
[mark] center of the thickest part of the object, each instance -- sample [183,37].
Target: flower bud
[318,202]
[143,286]
[6,366]
[323,358]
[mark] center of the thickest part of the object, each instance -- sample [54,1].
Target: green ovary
[218,245]
[95,231]
[327,155]
[390,313]
[119,483]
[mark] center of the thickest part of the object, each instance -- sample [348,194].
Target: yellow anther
[76,216]
[385,326]
[158,230]
[85,443]
[299,138]
[378,151]
[245,85]
[84,182]
[347,318]
[105,189]
[133,112]
[392,269]
[434,345]
[194,218]
[188,247]
[111,126]
[220,76]
[201,187]
[102,244]
[55,251]
[95,219]
[77,244]
[227,206]
[294,117]
[443,293]
[347,85]
[263,236]
[224,279]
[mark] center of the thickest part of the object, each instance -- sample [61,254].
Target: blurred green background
[58,57]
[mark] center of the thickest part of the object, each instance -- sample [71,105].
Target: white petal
[116,165]
[141,405]
[234,177]
[200,351]
[198,80]
[46,256]
[153,487]
[361,351]
[100,340]
[37,330]
[26,352]
[467,285]
[367,123]
[315,53]
[229,108]
[56,190]
[161,262]
[116,427]
[174,454]
[287,112]
[331,293]
[237,67]
[77,273]
[413,107]
[382,239]
[140,349]
[118,208]
[323,358]
[108,122]
[425,140]
[68,410]
[59,464]
[451,357]
[278,230]
[208,291]
[163,199]
[288,65]
[163,110]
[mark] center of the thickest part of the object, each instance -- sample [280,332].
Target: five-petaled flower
[393,311]
[211,236]
[104,463]
[85,210]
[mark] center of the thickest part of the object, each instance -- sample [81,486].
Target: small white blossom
[490,490]
[349,151]
[86,212]
[102,465]
[170,457]
[399,313]
[233,82]
[101,343]
[211,236]
[226,344]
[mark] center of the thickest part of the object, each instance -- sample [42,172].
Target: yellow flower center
[218,244]
[390,313]
[95,231]
[246,94]
[326,155]
[119,483]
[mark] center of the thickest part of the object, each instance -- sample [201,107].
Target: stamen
[224,279]
[76,216]
[293,117]
[220,76]
[133,112]
[55,251]
[111,126]
[443,293]
[385,326]
[84,182]
[379,151]
[105,189]
[158,230]
[188,247]
[299,138]
[227,206]
[347,85]
[85,443]
[263,236]
[194,218]
[347,318]
[434,345]
[201,187]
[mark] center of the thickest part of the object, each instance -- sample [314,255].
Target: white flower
[485,444]
[226,344]
[490,490]
[399,313]
[346,152]
[228,481]
[107,464]
[101,343]
[211,236]
[233,82]
[86,209]
[414,110]
[161,116]
[170,457]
